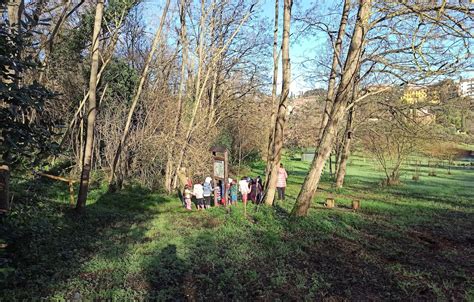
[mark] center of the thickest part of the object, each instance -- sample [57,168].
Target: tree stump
[4,189]
[330,203]
[356,204]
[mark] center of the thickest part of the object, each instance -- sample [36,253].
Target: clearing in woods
[413,241]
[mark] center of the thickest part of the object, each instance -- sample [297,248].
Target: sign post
[220,172]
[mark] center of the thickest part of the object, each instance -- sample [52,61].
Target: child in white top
[244,189]
[198,191]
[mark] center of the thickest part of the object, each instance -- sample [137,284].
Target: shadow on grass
[330,255]
[112,252]
[50,246]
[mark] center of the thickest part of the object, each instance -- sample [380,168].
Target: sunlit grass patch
[405,240]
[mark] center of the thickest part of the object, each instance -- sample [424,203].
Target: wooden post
[220,157]
[330,203]
[71,193]
[4,189]
[356,204]
[215,182]
[59,178]
[226,176]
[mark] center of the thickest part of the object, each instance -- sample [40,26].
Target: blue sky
[303,47]
[300,50]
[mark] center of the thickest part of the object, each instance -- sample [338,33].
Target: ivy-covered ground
[410,242]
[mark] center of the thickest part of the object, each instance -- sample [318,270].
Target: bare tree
[274,91]
[201,80]
[179,105]
[349,71]
[413,53]
[335,66]
[92,110]
[137,95]
[280,121]
[391,141]
[344,153]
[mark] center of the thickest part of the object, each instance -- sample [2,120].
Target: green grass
[408,242]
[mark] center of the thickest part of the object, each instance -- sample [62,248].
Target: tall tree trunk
[274,160]
[338,149]
[336,62]
[344,146]
[136,97]
[215,81]
[179,105]
[271,132]
[92,110]
[346,149]
[351,67]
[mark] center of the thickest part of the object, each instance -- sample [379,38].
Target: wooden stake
[69,181]
[356,204]
[71,193]
[330,203]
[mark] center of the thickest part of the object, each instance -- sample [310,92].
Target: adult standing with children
[281,182]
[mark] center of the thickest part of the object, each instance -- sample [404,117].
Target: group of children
[247,187]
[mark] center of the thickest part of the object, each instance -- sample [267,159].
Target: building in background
[415,94]
[466,88]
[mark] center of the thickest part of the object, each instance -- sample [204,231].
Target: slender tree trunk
[92,110]
[344,148]
[330,162]
[212,100]
[271,181]
[240,154]
[215,81]
[111,48]
[335,66]
[143,77]
[271,132]
[345,152]
[81,139]
[339,146]
[179,105]
[351,67]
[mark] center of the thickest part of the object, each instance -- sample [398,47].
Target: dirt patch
[136,282]
[204,222]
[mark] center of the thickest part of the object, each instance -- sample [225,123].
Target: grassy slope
[412,241]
